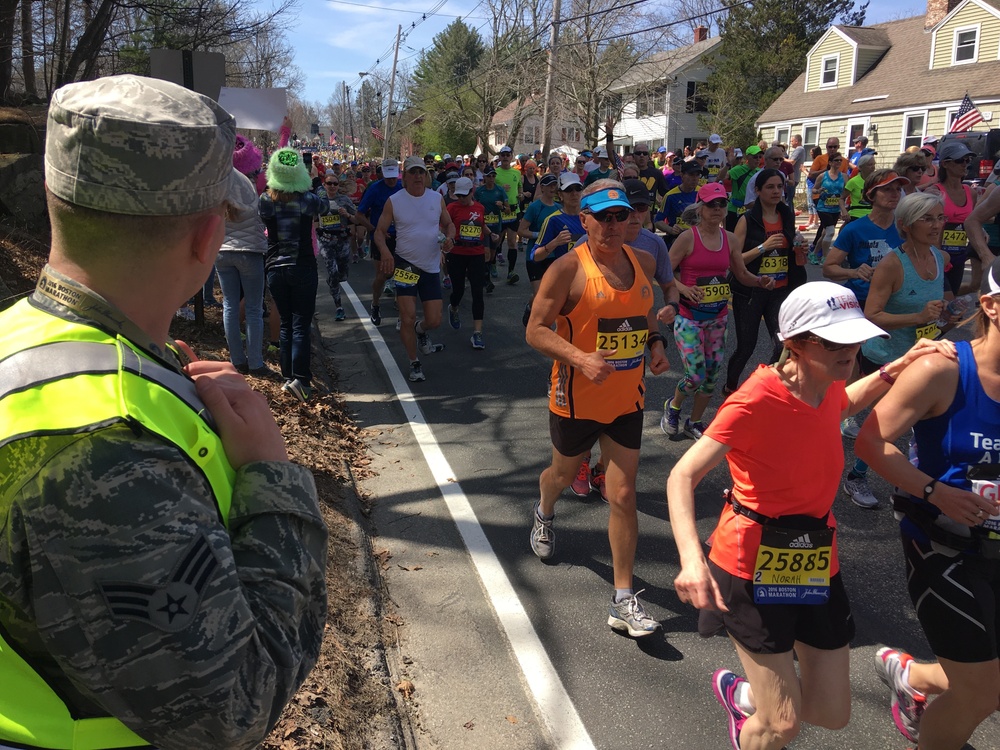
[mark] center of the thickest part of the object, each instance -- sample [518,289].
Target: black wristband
[928,489]
[653,338]
[675,305]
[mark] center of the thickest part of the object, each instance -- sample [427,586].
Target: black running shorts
[956,600]
[573,437]
[774,628]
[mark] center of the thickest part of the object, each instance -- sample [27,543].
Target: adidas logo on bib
[624,327]
[803,542]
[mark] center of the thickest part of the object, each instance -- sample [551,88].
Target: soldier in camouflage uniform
[162,561]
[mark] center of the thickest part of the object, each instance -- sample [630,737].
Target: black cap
[549,179]
[690,167]
[637,192]
[489,171]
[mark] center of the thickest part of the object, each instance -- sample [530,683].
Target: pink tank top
[706,268]
[955,240]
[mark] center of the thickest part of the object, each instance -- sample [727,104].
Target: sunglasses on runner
[416,171]
[608,215]
[830,346]
[718,203]
[640,153]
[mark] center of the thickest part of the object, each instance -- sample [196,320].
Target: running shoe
[856,488]
[694,429]
[416,372]
[670,422]
[453,318]
[628,616]
[581,485]
[263,372]
[477,340]
[543,539]
[297,388]
[850,428]
[490,286]
[907,704]
[447,282]
[388,290]
[493,272]
[512,278]
[499,258]
[341,315]
[598,483]
[724,684]
[376,315]
[526,315]
[399,323]
[426,345]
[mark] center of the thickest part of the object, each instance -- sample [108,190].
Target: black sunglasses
[329,183]
[415,170]
[609,215]
[963,160]
[640,153]
[573,189]
[830,346]
[718,203]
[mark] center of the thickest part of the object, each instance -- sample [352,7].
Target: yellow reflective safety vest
[61,378]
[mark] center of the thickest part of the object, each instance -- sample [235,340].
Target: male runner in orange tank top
[600,298]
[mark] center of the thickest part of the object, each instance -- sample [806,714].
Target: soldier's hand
[246,426]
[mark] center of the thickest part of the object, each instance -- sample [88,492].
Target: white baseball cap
[567,179]
[828,310]
[715,138]
[463,186]
[601,152]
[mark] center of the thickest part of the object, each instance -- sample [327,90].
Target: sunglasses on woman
[609,215]
[718,203]
[830,346]
[329,183]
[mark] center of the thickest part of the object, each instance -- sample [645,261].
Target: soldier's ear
[207,232]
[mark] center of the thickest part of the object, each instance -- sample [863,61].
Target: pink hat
[710,191]
[247,158]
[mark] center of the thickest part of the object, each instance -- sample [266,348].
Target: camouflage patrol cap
[142,146]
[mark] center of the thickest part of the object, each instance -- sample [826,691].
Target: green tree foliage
[764,46]
[442,82]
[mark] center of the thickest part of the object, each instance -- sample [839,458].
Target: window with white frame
[828,70]
[571,135]
[966,48]
[782,133]
[914,127]
[531,134]
[810,137]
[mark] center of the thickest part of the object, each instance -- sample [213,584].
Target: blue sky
[335,40]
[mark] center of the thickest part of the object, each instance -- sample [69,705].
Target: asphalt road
[488,412]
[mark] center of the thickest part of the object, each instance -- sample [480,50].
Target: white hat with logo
[828,310]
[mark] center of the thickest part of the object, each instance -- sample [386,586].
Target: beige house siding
[971,16]
[834,44]
[867,58]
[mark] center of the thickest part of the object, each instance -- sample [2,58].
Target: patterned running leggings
[702,344]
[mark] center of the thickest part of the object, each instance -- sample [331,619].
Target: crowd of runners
[716,230]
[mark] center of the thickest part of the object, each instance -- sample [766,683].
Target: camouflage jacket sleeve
[120,578]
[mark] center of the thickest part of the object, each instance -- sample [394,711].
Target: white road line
[546,687]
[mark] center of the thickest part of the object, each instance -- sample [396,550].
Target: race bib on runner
[328,221]
[793,566]
[405,277]
[628,336]
[714,290]
[988,489]
[470,234]
[831,200]
[929,331]
[492,219]
[955,236]
[775,266]
[508,216]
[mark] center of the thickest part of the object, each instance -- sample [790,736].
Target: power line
[402,10]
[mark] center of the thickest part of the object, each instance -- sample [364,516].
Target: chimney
[701,32]
[936,10]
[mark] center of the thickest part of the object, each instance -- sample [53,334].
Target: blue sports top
[965,436]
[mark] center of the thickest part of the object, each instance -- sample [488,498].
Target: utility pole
[549,80]
[392,86]
[350,119]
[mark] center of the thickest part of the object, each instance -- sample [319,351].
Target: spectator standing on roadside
[162,562]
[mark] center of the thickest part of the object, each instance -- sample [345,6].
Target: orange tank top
[604,318]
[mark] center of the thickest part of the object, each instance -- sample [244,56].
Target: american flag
[619,164]
[376,133]
[967,116]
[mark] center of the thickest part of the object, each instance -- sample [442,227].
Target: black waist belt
[977,544]
[808,523]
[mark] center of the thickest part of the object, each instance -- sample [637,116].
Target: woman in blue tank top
[950,529]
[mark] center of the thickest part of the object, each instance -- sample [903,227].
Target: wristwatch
[928,489]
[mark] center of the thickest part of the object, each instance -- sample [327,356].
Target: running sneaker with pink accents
[581,485]
[907,704]
[724,684]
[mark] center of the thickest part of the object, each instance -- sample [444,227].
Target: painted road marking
[546,687]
